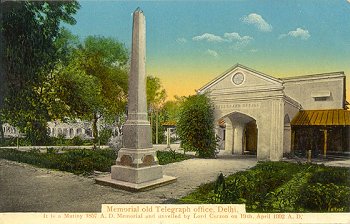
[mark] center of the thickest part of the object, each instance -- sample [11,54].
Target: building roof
[335,117]
[227,72]
[313,76]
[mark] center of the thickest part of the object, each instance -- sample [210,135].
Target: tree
[94,83]
[196,125]
[156,96]
[30,55]
[172,109]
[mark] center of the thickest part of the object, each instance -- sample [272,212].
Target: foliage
[105,135]
[94,82]
[196,126]
[76,140]
[325,197]
[172,108]
[166,157]
[29,31]
[280,187]
[78,161]
[156,96]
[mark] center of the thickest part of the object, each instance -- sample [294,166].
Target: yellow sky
[183,82]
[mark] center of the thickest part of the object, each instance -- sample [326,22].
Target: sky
[189,43]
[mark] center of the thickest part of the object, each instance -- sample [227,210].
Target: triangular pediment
[240,77]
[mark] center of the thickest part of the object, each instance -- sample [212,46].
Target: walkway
[25,188]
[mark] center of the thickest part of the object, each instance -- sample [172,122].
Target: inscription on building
[238,106]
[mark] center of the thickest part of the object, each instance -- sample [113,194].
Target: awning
[169,124]
[334,117]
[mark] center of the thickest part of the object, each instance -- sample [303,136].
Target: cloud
[240,41]
[237,37]
[258,21]
[298,33]
[181,40]
[212,53]
[208,37]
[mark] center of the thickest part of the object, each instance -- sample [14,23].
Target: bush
[105,135]
[336,175]
[76,140]
[196,126]
[165,157]
[280,187]
[325,197]
[81,161]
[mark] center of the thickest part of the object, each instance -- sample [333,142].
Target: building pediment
[240,78]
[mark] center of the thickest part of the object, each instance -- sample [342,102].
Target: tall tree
[29,31]
[94,82]
[2,75]
[156,97]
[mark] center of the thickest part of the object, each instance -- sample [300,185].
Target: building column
[277,130]
[238,138]
[325,136]
[228,136]
[287,141]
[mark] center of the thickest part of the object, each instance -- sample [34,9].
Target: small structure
[137,165]
[323,132]
[169,125]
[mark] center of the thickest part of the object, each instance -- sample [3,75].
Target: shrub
[105,135]
[336,175]
[76,140]
[325,197]
[196,126]
[82,161]
[280,187]
[165,157]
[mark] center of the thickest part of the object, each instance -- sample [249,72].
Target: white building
[259,114]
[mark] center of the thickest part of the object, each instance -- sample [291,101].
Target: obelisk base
[136,170]
[133,187]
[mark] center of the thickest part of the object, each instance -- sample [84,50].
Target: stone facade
[257,108]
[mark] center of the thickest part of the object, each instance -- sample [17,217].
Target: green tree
[94,83]
[156,96]
[29,57]
[172,108]
[195,126]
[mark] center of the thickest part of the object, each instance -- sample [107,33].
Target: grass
[82,161]
[280,187]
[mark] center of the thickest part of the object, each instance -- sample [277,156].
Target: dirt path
[25,188]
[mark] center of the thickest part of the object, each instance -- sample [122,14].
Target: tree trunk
[2,136]
[2,74]
[94,129]
[157,127]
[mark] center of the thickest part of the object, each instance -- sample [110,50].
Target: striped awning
[169,124]
[334,117]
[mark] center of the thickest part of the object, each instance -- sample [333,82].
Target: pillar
[325,136]
[137,165]
[238,138]
[228,136]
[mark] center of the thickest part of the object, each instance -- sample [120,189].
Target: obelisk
[137,165]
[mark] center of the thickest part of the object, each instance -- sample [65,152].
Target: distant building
[70,130]
[66,130]
[259,114]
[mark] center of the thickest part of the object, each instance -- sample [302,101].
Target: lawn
[280,187]
[82,161]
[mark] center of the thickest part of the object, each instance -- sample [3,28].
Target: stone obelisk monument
[137,165]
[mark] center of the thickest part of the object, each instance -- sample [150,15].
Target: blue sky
[191,42]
